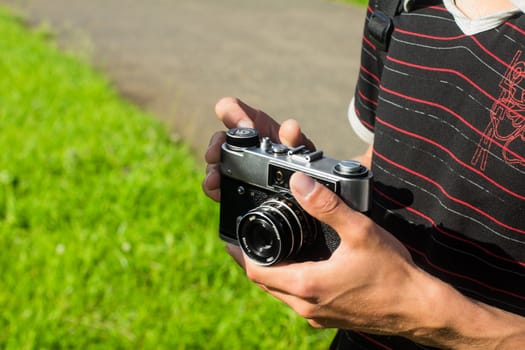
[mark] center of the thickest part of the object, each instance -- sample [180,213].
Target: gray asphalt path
[176,58]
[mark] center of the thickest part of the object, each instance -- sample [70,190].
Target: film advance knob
[350,168]
[242,137]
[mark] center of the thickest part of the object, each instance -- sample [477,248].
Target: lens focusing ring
[264,236]
[276,230]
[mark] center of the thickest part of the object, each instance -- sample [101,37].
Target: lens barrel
[275,231]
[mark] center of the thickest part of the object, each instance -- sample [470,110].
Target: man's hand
[234,113]
[364,283]
[371,284]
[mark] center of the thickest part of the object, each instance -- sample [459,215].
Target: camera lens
[260,235]
[276,230]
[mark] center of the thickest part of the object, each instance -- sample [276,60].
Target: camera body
[257,210]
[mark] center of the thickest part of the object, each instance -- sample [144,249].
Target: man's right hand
[236,114]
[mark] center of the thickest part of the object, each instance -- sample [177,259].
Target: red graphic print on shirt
[506,127]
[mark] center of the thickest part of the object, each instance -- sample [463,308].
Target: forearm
[444,318]
[449,320]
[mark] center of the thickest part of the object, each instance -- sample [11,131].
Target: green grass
[106,239]
[355,2]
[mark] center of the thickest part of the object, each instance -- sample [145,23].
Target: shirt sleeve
[362,109]
[364,133]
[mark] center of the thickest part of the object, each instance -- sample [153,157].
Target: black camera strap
[381,23]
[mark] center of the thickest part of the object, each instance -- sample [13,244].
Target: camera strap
[380,24]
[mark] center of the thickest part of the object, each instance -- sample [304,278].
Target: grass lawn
[356,2]
[106,239]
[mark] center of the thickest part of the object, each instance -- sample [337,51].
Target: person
[439,262]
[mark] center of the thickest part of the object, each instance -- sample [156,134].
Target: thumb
[323,204]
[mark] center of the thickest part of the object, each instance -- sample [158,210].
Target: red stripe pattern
[448,113]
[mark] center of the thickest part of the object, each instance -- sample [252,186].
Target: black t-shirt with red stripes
[448,115]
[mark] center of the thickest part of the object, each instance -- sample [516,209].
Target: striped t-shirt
[448,118]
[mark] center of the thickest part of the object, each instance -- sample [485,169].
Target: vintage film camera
[257,210]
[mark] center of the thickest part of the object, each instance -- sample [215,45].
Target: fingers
[230,112]
[291,135]
[293,280]
[212,181]
[235,114]
[323,204]
[301,280]
[213,153]
[304,307]
[256,273]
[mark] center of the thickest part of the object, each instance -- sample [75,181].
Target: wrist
[447,319]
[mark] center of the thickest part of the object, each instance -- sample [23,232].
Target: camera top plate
[259,163]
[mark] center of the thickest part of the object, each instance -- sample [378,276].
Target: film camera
[257,210]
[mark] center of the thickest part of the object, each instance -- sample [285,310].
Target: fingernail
[245,124]
[303,184]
